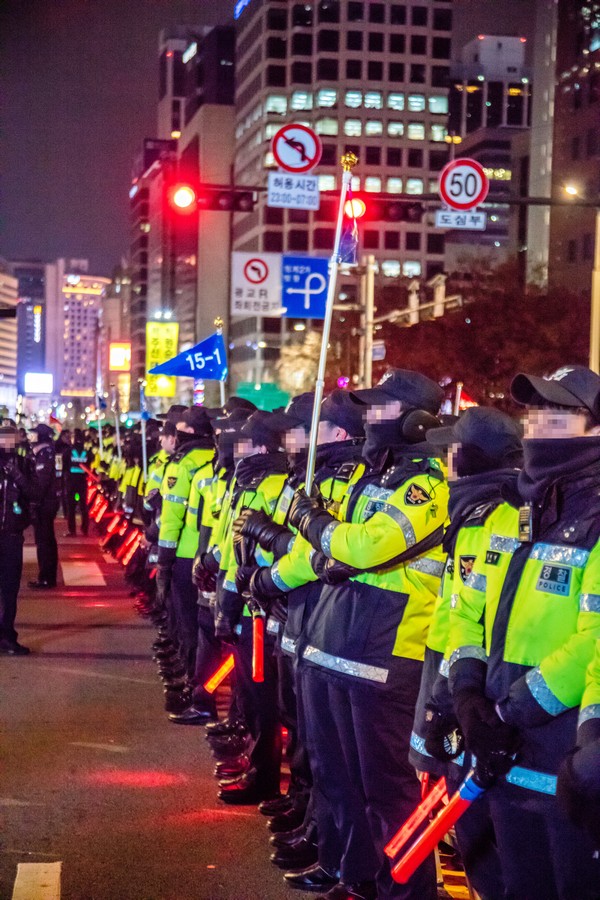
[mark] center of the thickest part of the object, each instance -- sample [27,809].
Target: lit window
[390,268]
[353,99]
[145,227]
[394,185]
[275,103]
[416,131]
[373,184]
[414,185]
[416,102]
[373,127]
[438,132]
[434,185]
[327,182]
[353,127]
[395,129]
[396,101]
[326,97]
[326,126]
[272,129]
[269,161]
[355,183]
[438,105]
[301,100]
[411,268]
[373,100]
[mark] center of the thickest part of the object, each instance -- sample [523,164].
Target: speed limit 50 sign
[463,184]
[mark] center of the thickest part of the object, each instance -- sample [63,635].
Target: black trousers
[543,856]
[45,542]
[259,707]
[76,497]
[11,568]
[208,657]
[300,776]
[184,604]
[360,738]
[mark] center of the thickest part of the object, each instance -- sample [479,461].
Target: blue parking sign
[304,281]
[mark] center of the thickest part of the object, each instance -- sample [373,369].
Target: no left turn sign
[256,271]
[463,184]
[296,148]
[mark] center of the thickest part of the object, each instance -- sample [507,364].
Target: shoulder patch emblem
[416,495]
[466,566]
[171,482]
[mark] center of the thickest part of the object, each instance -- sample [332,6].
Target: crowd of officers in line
[432,605]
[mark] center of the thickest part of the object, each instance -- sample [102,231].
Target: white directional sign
[290,191]
[296,148]
[463,184]
[453,218]
[256,284]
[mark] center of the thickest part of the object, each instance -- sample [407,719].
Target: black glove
[225,630]
[163,584]
[258,525]
[263,589]
[203,579]
[493,742]
[331,571]
[300,505]
[578,788]
[443,737]
[243,549]
[242,578]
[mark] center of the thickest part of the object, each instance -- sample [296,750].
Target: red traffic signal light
[383,208]
[355,208]
[182,197]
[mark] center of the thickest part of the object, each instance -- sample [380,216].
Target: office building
[368,77]
[9,295]
[31,324]
[576,155]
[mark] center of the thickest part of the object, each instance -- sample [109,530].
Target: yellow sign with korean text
[162,343]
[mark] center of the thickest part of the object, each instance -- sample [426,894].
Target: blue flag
[206,361]
[348,252]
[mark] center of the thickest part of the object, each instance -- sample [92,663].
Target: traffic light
[185,198]
[384,208]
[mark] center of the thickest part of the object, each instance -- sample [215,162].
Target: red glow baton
[258,647]
[435,831]
[436,795]
[220,675]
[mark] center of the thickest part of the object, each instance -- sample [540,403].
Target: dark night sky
[78,85]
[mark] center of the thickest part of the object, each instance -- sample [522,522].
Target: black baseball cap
[345,409]
[197,418]
[44,432]
[297,414]
[488,429]
[415,390]
[262,428]
[570,386]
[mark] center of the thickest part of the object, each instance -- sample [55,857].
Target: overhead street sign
[304,286]
[463,184]
[256,284]
[288,191]
[453,218]
[296,148]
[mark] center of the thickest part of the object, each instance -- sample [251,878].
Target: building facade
[9,296]
[31,318]
[368,77]
[576,155]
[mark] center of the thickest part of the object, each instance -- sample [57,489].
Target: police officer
[363,648]
[484,453]
[518,674]
[14,519]
[75,458]
[44,506]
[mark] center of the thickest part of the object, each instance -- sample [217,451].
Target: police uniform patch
[171,482]
[492,557]
[416,495]
[466,566]
[554,580]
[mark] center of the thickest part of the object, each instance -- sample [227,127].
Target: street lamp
[572,190]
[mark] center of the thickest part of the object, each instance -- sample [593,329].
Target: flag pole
[348,161]
[143,416]
[117,423]
[219,326]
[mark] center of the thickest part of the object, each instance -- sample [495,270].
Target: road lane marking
[87,674]
[111,748]
[29,553]
[110,559]
[84,574]
[37,881]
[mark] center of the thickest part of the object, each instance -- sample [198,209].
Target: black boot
[314,878]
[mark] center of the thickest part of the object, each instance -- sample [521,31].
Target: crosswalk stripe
[37,881]
[82,574]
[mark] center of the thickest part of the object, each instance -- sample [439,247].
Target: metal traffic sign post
[463,186]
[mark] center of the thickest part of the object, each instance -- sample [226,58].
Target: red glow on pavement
[205,816]
[144,779]
[97,604]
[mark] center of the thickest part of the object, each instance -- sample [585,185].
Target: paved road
[92,774]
